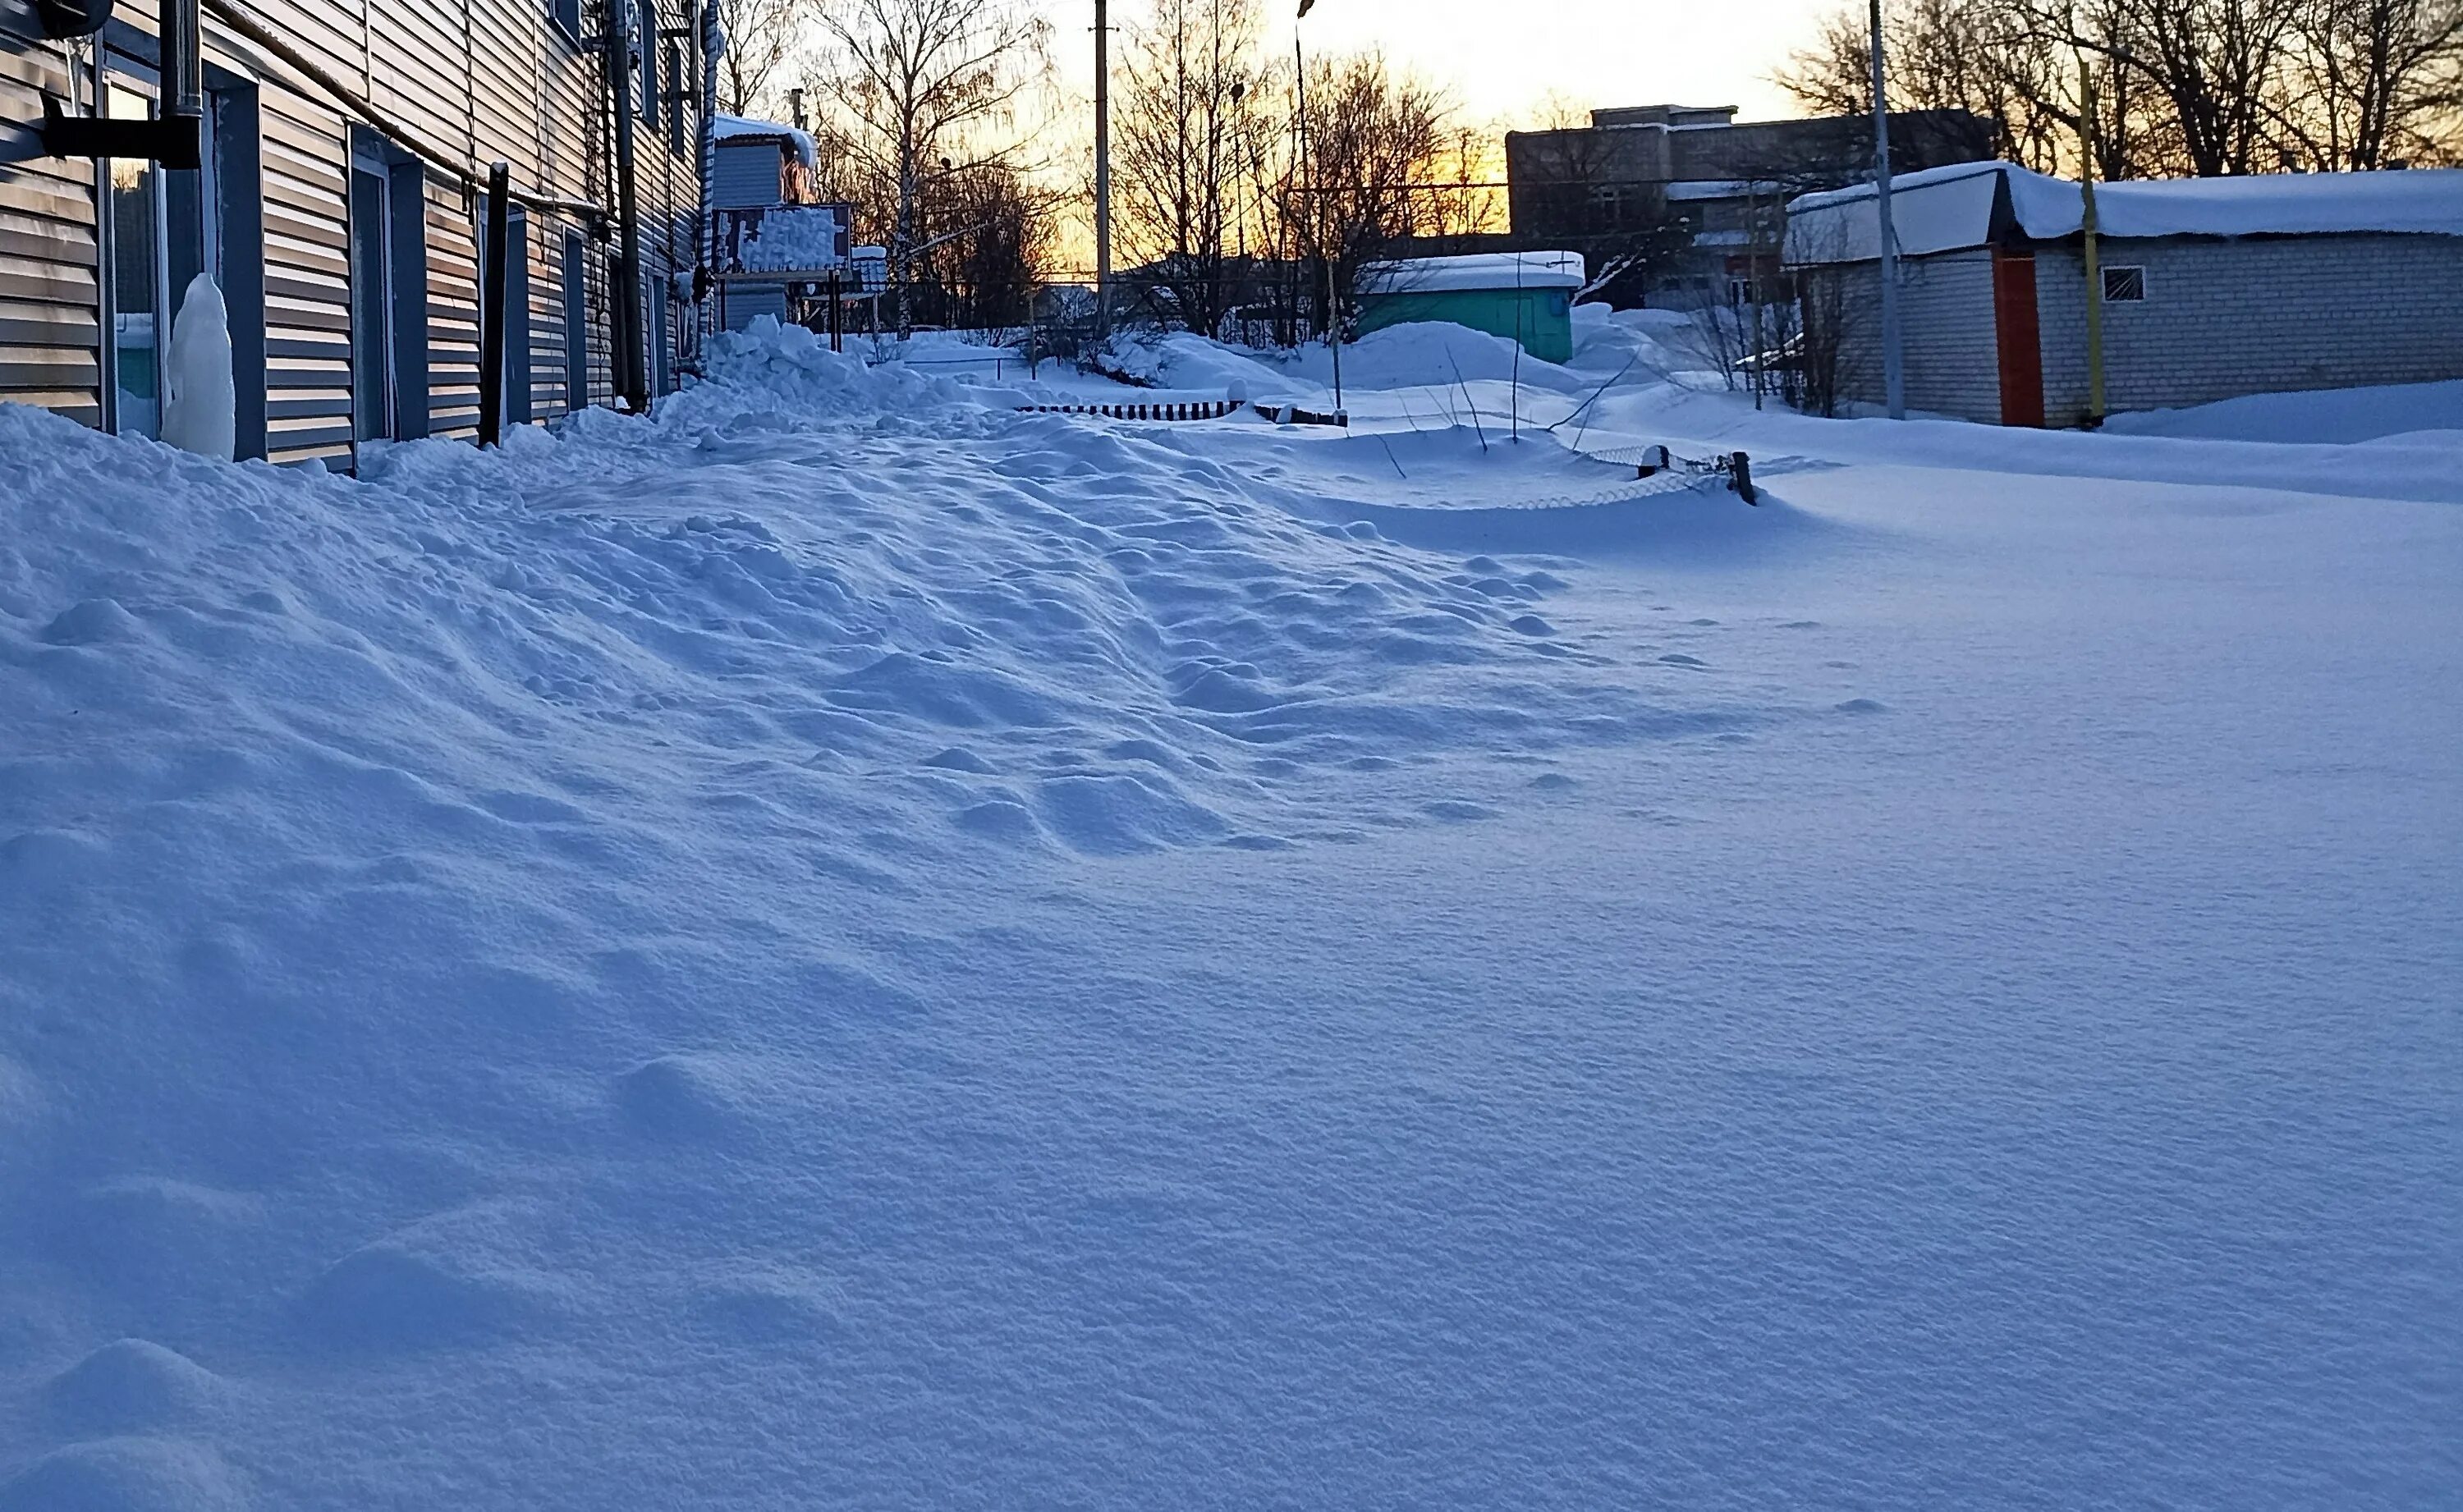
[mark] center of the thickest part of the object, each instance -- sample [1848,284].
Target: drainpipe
[632,372]
[2095,407]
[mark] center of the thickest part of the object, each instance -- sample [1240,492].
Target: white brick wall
[1946,306]
[2254,315]
[2221,318]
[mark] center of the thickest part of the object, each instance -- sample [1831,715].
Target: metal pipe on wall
[624,300]
[491,307]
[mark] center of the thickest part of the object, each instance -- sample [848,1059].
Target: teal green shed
[1522,296]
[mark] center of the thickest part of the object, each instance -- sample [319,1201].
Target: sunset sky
[1498,59]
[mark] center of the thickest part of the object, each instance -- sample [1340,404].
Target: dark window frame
[2125,284]
[645,38]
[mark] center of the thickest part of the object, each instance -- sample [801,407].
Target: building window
[136,254]
[675,98]
[646,43]
[567,15]
[2124,285]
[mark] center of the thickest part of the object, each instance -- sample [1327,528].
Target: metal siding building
[94,253]
[1522,296]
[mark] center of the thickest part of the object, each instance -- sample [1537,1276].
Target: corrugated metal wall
[747,173]
[50,306]
[483,79]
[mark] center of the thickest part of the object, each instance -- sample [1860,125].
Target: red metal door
[2018,338]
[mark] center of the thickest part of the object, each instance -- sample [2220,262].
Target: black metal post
[492,309]
[625,301]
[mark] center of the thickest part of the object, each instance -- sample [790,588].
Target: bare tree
[2381,80]
[2183,86]
[762,39]
[921,87]
[1189,115]
[1370,141]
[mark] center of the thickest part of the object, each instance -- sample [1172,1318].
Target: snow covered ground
[849,946]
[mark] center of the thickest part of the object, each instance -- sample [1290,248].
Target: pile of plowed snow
[385,862]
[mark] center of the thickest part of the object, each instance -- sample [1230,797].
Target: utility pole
[2087,226]
[1894,375]
[1102,167]
[1316,206]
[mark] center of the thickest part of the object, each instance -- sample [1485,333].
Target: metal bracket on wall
[175,142]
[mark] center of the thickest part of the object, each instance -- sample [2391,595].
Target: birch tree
[924,88]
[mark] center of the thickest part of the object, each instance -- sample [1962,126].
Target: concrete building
[1522,296]
[329,182]
[1618,186]
[2209,288]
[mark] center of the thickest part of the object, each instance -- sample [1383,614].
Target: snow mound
[127,1474]
[130,1386]
[2318,417]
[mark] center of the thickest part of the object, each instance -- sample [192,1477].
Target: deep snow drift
[846,945]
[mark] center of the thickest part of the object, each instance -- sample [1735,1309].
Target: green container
[1541,319]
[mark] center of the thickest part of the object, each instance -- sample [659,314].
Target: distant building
[2209,288]
[754,163]
[756,168]
[1522,296]
[1606,188]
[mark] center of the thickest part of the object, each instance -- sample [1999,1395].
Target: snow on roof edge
[725,128]
[1942,209]
[1479,271]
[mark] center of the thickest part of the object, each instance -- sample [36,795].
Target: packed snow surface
[846,945]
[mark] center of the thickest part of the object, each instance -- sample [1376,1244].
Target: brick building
[2209,288]
[1605,188]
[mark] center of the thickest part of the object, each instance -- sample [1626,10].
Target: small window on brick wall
[2124,285]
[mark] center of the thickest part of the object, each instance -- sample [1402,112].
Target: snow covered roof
[1418,275]
[739,128]
[1963,205]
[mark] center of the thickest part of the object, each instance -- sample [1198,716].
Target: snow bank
[843,945]
[446,914]
[2317,417]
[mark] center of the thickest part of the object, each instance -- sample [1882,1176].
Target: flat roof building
[2208,288]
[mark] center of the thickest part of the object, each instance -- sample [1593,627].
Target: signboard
[780,243]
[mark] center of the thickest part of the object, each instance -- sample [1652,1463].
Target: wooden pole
[492,309]
[1894,375]
[1102,167]
[2095,399]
